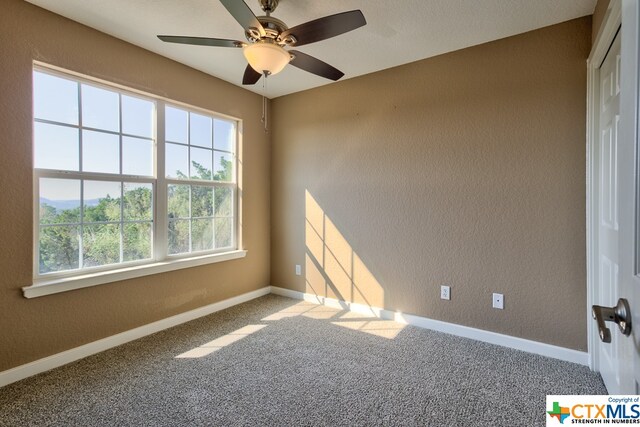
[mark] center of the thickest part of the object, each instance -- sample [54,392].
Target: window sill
[54,286]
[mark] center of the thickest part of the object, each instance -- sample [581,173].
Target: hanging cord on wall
[265,105]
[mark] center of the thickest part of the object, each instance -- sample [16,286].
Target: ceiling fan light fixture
[266,58]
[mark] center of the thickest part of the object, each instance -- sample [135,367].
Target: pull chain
[265,105]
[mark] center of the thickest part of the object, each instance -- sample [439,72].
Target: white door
[629,198]
[617,281]
[608,212]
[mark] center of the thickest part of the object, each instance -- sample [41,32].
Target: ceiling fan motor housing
[273,28]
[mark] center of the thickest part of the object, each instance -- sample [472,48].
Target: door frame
[630,44]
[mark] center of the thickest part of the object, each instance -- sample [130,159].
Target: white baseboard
[56,360]
[536,347]
[68,356]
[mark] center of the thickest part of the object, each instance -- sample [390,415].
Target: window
[103,201]
[200,172]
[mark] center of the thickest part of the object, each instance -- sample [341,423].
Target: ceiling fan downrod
[268,6]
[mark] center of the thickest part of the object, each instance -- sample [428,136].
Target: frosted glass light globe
[266,57]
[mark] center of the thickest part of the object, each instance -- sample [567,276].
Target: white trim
[516,343]
[608,30]
[60,359]
[55,286]
[54,361]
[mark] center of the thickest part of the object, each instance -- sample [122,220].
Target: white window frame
[197,182]
[161,261]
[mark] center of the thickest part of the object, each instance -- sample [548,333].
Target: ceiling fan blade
[241,12]
[202,41]
[251,76]
[315,66]
[325,28]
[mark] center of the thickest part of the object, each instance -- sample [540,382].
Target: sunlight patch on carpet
[381,328]
[306,309]
[218,343]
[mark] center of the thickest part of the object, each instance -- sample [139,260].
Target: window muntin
[85,223]
[83,127]
[200,159]
[200,218]
[96,188]
[199,147]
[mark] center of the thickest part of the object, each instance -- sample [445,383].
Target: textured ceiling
[397,32]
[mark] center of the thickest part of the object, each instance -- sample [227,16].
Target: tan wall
[466,169]
[598,16]
[31,329]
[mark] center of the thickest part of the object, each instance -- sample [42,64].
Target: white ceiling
[397,31]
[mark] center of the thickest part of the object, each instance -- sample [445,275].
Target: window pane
[176,125]
[224,137]
[137,156]
[177,161]
[100,108]
[58,248]
[178,201]
[223,166]
[178,236]
[100,152]
[223,202]
[100,244]
[201,201]
[56,147]
[223,232]
[55,99]
[59,201]
[101,201]
[202,234]
[201,163]
[138,201]
[136,241]
[200,130]
[137,116]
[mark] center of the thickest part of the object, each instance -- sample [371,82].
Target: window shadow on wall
[332,268]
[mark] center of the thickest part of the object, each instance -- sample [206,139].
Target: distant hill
[62,205]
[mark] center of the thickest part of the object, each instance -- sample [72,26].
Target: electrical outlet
[498,301]
[445,292]
[298,270]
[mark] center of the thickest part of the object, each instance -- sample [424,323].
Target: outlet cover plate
[445,292]
[298,270]
[498,301]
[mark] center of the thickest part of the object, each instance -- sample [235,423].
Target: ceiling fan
[267,37]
